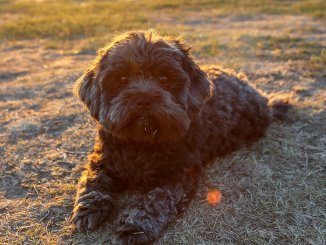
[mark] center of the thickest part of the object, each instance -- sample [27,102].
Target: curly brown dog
[161,119]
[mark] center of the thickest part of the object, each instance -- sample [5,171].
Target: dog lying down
[161,119]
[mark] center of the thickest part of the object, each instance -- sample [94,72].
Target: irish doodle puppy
[161,119]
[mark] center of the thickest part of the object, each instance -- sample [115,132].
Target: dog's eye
[165,83]
[123,79]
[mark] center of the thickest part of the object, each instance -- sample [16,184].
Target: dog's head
[144,87]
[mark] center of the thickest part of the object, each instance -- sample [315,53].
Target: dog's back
[235,116]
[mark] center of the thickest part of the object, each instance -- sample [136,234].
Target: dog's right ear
[87,88]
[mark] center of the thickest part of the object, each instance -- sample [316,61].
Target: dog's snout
[143,103]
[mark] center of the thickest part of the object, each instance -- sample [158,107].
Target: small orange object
[214,196]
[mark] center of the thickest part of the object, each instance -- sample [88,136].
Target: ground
[272,193]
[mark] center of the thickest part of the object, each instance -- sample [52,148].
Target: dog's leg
[93,201]
[160,207]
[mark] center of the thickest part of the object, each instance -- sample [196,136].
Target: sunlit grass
[282,47]
[76,19]
[95,22]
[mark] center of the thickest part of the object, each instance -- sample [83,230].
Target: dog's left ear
[200,87]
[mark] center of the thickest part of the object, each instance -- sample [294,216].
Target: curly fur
[161,120]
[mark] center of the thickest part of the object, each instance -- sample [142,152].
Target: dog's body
[156,137]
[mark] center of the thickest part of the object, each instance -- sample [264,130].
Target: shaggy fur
[161,119]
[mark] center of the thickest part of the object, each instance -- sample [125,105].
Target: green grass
[95,22]
[284,47]
[76,19]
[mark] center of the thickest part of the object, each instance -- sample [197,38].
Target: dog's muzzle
[145,125]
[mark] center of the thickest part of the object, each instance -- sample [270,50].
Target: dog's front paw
[135,227]
[130,234]
[91,210]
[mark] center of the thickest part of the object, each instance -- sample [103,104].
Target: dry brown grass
[273,193]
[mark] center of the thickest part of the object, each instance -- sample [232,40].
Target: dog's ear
[87,88]
[200,87]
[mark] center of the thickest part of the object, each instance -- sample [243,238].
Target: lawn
[272,193]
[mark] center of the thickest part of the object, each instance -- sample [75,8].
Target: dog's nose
[143,104]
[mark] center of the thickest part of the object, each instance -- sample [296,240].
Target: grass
[288,48]
[75,19]
[273,193]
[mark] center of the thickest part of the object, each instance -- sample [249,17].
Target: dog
[161,119]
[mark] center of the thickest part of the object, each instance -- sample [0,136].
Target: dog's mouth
[144,125]
[153,127]
[142,128]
